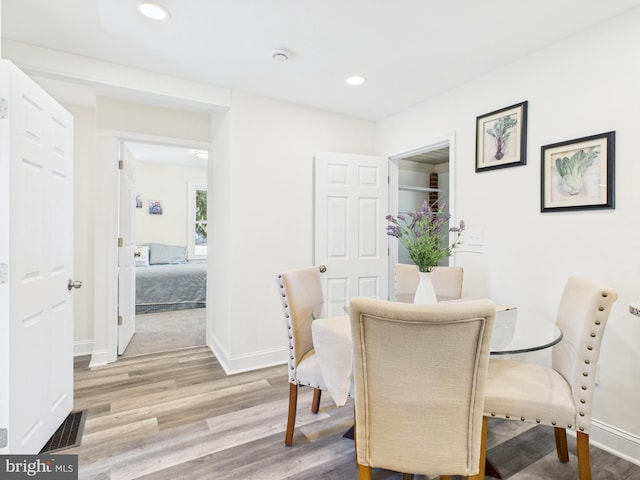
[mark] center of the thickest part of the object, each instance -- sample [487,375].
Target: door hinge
[4,437]
[4,273]
[119,319]
[4,108]
[120,242]
[120,164]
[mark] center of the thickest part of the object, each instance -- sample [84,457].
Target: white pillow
[142,256]
[161,254]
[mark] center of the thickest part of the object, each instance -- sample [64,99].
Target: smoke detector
[280,54]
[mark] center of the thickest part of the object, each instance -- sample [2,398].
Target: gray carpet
[162,331]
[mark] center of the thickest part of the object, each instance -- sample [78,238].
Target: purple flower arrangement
[420,232]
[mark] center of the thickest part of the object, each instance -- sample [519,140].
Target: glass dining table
[515,331]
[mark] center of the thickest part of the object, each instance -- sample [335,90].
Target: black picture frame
[501,138]
[578,174]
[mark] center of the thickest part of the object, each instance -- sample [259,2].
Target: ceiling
[409,50]
[153,152]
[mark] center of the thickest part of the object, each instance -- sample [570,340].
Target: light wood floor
[176,415]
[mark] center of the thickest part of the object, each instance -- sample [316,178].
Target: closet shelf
[422,189]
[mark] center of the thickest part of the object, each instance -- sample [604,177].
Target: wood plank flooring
[176,415]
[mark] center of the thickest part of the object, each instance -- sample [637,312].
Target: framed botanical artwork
[579,174]
[501,138]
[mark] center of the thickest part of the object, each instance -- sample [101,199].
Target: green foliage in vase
[420,233]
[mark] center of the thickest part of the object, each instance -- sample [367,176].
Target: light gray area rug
[162,331]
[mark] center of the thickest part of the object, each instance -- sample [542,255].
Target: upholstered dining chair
[419,374]
[302,298]
[447,282]
[559,396]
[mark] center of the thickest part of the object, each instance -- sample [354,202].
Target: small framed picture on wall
[155,207]
[579,174]
[501,138]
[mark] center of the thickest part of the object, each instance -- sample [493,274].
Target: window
[197,221]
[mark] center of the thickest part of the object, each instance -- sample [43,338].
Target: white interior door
[36,256]
[126,252]
[351,201]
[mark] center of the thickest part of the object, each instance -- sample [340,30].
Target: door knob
[74,284]
[323,268]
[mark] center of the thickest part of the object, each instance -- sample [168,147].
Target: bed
[166,280]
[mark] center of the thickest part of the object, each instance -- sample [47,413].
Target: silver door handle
[74,284]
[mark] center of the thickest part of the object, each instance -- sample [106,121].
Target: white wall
[83,217]
[261,180]
[170,184]
[585,85]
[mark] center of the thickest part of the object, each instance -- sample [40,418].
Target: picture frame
[578,174]
[501,138]
[155,207]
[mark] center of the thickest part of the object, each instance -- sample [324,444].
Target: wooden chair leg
[562,449]
[407,476]
[315,404]
[445,477]
[584,459]
[364,472]
[483,452]
[291,419]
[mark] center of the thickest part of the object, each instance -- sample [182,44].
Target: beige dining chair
[447,282]
[419,375]
[302,298]
[559,396]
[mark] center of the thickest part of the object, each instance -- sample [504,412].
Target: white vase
[425,292]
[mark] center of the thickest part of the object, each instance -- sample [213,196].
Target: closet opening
[424,174]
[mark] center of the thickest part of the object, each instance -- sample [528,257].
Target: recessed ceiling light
[356,80]
[153,11]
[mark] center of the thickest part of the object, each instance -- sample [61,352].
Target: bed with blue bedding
[166,280]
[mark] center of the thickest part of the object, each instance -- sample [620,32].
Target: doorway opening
[420,175]
[163,247]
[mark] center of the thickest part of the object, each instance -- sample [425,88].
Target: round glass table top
[518,331]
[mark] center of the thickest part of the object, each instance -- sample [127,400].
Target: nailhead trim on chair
[287,315]
[585,374]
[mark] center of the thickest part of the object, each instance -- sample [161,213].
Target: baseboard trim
[85,347]
[615,441]
[246,362]
[99,358]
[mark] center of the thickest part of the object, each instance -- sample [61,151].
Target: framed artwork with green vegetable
[579,174]
[501,138]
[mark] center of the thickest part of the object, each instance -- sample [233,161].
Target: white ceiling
[409,50]
[153,152]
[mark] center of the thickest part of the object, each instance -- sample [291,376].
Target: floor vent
[68,435]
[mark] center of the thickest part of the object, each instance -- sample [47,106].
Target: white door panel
[351,196]
[126,252]
[37,368]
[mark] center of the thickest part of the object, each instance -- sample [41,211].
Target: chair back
[419,377]
[302,299]
[582,316]
[447,282]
